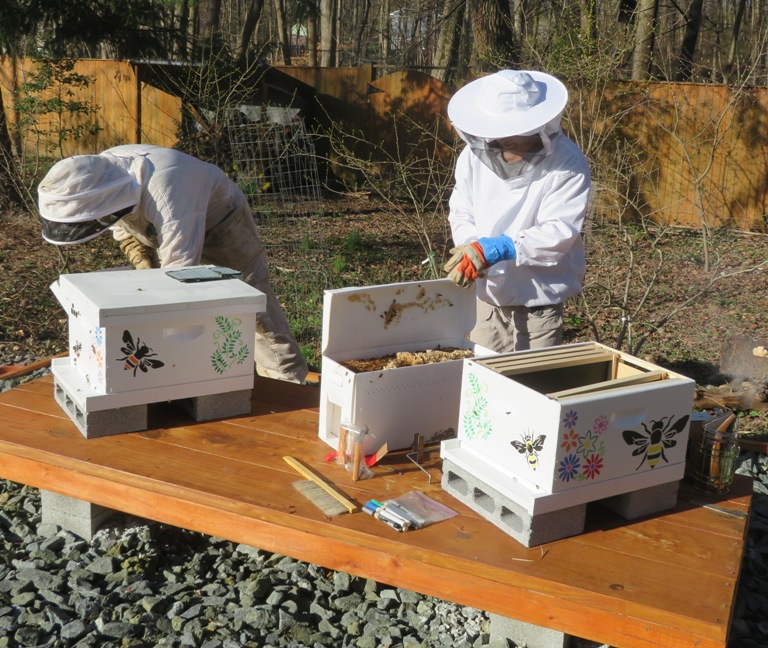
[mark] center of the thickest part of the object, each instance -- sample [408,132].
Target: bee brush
[319,491]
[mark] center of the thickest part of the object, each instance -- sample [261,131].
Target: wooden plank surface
[663,580]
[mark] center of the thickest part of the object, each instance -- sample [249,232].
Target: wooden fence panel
[700,151]
[128,112]
[686,154]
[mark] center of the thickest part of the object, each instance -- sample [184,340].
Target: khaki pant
[235,243]
[517,328]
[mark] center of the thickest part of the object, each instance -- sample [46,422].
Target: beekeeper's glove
[466,264]
[471,259]
[499,248]
[141,256]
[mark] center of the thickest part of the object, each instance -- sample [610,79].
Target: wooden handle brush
[319,491]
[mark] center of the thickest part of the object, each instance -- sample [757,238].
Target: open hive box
[558,427]
[376,321]
[145,336]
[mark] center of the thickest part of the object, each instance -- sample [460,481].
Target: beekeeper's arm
[140,255]
[558,221]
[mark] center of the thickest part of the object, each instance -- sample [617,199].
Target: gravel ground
[140,583]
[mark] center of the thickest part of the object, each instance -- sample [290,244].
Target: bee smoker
[714,455]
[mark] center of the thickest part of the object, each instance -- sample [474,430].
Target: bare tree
[283,31]
[693,21]
[645,26]
[328,36]
[495,45]
[255,8]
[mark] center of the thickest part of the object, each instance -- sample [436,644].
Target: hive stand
[535,529]
[97,415]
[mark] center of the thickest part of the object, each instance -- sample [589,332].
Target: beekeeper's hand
[466,264]
[471,259]
[141,256]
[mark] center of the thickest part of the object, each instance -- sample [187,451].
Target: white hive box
[559,427]
[375,321]
[142,336]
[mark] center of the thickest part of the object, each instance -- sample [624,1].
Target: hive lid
[389,316]
[100,295]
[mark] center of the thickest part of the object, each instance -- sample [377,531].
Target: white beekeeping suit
[182,210]
[517,224]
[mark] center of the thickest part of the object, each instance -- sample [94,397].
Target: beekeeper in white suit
[517,208]
[169,209]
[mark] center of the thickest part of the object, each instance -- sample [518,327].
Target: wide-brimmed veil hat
[508,103]
[81,197]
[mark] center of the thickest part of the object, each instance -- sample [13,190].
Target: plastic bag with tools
[419,509]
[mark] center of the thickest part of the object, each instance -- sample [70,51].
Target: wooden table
[665,580]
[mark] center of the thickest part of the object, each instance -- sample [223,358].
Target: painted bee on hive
[138,355]
[530,447]
[652,443]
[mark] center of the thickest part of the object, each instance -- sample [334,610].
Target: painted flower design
[99,358]
[587,443]
[570,440]
[570,419]
[593,465]
[99,335]
[569,468]
[601,424]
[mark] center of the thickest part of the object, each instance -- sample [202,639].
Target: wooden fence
[128,110]
[678,153]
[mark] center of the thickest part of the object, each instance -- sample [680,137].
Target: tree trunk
[645,22]
[385,32]
[693,19]
[363,25]
[327,35]
[283,33]
[249,26]
[495,45]
[312,40]
[212,19]
[449,44]
[735,40]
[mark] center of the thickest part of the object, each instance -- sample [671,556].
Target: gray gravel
[140,583]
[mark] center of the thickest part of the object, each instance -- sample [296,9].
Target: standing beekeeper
[169,209]
[517,208]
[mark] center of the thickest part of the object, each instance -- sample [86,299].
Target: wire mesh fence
[276,168]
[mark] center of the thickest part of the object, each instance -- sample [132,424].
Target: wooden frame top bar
[665,580]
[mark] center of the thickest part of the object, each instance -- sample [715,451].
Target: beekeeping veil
[82,196]
[505,104]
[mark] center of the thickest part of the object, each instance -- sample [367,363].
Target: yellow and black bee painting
[530,447]
[652,443]
[138,355]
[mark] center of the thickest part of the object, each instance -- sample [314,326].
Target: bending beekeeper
[517,208]
[169,209]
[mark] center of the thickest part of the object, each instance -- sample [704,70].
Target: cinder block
[645,501]
[216,406]
[77,516]
[100,423]
[510,517]
[525,634]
